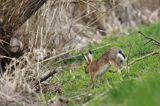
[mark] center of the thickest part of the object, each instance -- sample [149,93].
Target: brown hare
[112,57]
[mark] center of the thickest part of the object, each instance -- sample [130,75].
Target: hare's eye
[121,61]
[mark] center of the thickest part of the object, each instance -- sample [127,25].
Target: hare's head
[121,56]
[89,60]
[117,57]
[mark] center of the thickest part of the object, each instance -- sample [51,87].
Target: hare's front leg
[92,84]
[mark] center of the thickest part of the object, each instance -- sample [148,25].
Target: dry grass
[17,81]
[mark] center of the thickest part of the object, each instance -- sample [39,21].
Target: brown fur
[108,58]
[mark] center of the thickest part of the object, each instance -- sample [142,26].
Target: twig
[96,97]
[150,39]
[56,56]
[46,76]
[79,55]
[143,57]
[6,57]
[128,56]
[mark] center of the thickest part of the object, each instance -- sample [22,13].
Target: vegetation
[139,87]
[40,39]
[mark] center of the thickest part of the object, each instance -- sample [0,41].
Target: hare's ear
[85,57]
[90,57]
[121,55]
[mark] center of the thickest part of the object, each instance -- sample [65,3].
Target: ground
[139,87]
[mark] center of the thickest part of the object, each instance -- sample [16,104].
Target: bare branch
[143,57]
[46,76]
[150,39]
[21,13]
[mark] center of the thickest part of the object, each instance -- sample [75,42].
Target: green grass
[139,87]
